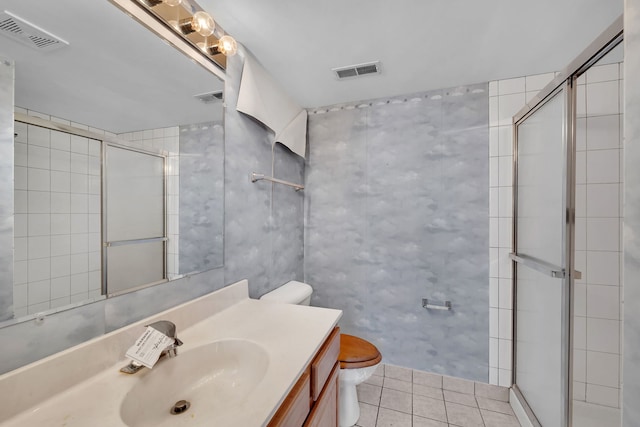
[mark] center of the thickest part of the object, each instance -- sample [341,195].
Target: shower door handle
[134,241]
[539,265]
[543,266]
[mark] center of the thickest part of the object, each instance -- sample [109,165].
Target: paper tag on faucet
[148,347]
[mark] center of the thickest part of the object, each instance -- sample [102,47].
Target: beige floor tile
[368,415]
[496,419]
[458,384]
[426,422]
[461,398]
[398,373]
[423,390]
[427,378]
[390,418]
[397,385]
[370,394]
[492,391]
[463,416]
[494,405]
[400,397]
[396,400]
[375,380]
[427,407]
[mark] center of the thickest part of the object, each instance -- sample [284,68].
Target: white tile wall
[599,214]
[52,243]
[598,229]
[58,211]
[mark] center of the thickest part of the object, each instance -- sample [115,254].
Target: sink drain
[180,406]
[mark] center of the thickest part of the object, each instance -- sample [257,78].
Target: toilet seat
[357,353]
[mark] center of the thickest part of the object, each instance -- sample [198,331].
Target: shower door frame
[565,82]
[106,244]
[568,199]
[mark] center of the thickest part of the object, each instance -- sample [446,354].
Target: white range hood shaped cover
[263,99]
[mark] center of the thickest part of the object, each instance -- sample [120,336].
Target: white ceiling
[114,75]
[422,44]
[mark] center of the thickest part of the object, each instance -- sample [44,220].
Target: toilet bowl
[358,358]
[358,361]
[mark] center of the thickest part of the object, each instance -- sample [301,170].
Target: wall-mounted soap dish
[436,305]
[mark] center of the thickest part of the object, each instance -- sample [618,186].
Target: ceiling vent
[209,97]
[23,31]
[357,70]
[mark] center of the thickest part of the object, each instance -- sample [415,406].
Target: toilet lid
[354,350]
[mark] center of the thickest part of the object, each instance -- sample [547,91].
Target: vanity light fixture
[152,3]
[201,22]
[226,45]
[193,25]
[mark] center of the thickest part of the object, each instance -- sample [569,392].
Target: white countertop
[290,334]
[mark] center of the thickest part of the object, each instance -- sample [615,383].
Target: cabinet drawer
[296,406]
[325,411]
[322,365]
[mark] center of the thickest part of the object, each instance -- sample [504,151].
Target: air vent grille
[367,69]
[10,26]
[42,42]
[357,70]
[25,32]
[210,97]
[349,72]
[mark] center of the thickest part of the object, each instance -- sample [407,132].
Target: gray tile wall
[631,363]
[263,221]
[396,211]
[201,178]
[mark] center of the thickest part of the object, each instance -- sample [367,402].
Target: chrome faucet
[168,329]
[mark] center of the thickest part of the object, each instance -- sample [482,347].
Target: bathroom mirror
[90,79]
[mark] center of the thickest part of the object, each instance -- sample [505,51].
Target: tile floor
[402,397]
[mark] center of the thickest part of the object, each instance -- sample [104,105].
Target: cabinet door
[322,365]
[325,411]
[295,408]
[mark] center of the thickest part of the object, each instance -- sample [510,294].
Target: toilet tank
[292,292]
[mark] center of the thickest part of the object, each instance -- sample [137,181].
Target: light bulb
[203,24]
[227,45]
[172,2]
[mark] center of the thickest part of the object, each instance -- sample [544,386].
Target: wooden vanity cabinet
[325,410]
[313,401]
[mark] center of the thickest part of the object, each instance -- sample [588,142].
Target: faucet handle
[172,350]
[164,326]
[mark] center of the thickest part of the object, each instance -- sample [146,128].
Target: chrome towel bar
[259,177]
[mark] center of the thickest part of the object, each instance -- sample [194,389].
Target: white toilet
[358,358]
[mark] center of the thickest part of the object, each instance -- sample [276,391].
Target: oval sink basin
[213,379]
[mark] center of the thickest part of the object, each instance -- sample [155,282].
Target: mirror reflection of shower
[62,117]
[599,183]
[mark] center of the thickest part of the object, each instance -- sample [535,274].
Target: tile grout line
[411,398]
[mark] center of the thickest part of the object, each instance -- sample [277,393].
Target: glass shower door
[541,236]
[135,219]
